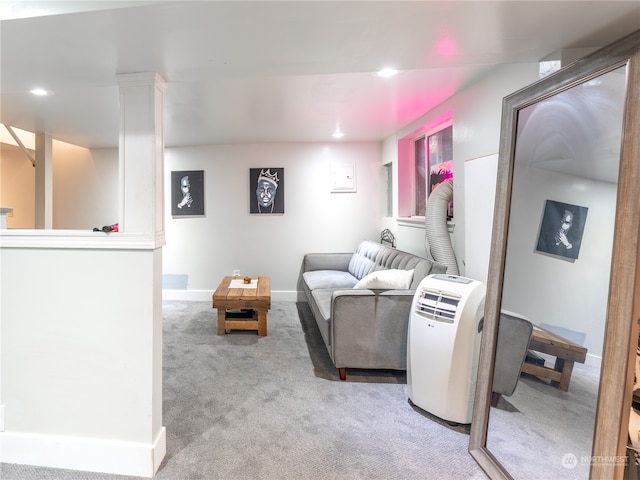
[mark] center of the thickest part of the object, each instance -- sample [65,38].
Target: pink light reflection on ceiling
[401,107]
[406,111]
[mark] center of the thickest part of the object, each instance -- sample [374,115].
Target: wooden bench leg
[262,323]
[222,318]
[342,372]
[566,368]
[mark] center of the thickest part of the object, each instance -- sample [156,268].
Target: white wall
[477,113]
[578,299]
[204,249]
[207,248]
[85,187]
[479,194]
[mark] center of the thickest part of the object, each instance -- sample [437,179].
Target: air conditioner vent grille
[438,305]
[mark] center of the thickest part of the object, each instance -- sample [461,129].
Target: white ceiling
[270,71]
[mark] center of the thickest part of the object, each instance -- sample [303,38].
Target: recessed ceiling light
[41,92]
[387,72]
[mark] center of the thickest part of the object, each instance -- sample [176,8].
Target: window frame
[406,190]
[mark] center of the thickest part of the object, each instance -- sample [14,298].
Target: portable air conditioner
[443,345]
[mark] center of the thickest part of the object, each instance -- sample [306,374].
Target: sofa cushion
[372,257]
[363,261]
[387,279]
[321,307]
[322,298]
[321,279]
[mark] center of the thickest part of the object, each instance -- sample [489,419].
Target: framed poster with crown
[266,191]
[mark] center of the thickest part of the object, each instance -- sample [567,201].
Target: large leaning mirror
[563,265]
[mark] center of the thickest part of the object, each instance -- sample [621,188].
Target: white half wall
[81,351]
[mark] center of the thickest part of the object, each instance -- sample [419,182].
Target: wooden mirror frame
[623,305]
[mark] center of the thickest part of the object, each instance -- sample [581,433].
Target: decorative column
[44,181]
[141,153]
[141,162]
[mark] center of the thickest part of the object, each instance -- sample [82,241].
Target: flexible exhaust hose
[438,239]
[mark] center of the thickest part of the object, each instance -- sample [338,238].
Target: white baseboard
[205,295]
[85,454]
[593,360]
[159,450]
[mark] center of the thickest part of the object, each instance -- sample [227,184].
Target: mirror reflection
[557,269]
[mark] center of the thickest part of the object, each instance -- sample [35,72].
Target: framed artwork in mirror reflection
[561,229]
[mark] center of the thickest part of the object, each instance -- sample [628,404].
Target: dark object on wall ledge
[387,237]
[107,228]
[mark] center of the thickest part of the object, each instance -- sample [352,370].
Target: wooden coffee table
[254,299]
[565,351]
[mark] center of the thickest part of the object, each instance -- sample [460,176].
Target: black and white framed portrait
[187,193]
[266,190]
[561,229]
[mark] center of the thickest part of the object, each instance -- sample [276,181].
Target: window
[440,160]
[388,171]
[425,159]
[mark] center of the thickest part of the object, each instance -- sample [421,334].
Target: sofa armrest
[326,261]
[369,329]
[351,310]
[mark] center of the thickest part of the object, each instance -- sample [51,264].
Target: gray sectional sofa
[361,303]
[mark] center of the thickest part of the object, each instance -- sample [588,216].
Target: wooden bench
[565,351]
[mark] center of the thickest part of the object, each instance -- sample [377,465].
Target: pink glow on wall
[446,47]
[431,124]
[411,109]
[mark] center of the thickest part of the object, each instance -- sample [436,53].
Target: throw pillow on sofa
[386,280]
